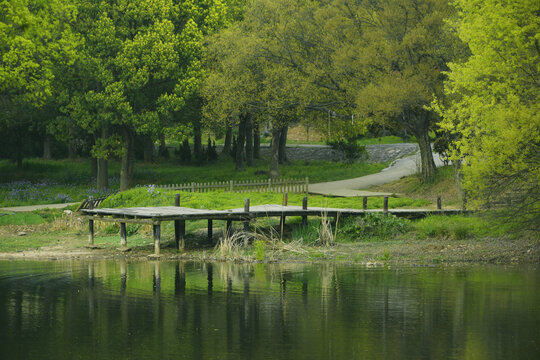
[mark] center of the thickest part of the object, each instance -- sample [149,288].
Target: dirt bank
[402,251]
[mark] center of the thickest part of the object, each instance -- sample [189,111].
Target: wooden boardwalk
[156,215]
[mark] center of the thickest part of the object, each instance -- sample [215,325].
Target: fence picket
[292,185]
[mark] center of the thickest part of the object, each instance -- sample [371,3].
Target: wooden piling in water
[304,207]
[123,235]
[210,231]
[179,227]
[282,219]
[91,222]
[246,209]
[157,238]
[228,228]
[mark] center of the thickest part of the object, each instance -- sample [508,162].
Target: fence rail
[270,185]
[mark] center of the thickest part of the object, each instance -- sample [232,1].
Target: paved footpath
[353,187]
[36,207]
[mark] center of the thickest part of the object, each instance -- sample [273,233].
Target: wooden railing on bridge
[240,186]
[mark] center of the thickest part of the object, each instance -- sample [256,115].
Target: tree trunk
[148,148]
[163,151]
[93,162]
[197,140]
[102,180]
[274,153]
[458,177]
[47,148]
[19,158]
[282,145]
[420,128]
[228,141]
[128,159]
[256,141]
[240,143]
[249,141]
[72,147]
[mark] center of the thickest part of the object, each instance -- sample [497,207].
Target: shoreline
[406,252]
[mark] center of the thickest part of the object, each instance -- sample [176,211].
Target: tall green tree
[141,61]
[495,107]
[35,37]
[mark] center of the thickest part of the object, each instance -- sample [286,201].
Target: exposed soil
[404,251]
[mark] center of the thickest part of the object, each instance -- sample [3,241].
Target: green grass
[220,200]
[60,181]
[456,227]
[21,219]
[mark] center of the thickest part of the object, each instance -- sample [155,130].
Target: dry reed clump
[327,236]
[230,247]
[68,221]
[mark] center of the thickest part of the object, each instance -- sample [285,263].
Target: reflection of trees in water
[156,309]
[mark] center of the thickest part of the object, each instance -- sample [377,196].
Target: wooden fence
[270,185]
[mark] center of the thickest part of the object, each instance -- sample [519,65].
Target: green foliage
[495,106]
[457,227]
[373,226]
[260,249]
[352,150]
[307,234]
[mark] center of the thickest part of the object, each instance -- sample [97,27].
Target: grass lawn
[443,185]
[60,181]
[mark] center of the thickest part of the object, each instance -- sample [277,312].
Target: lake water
[153,310]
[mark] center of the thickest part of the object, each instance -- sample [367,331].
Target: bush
[373,226]
[260,249]
[350,148]
[457,227]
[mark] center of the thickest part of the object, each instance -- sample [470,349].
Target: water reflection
[215,310]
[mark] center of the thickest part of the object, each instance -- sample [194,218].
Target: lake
[183,310]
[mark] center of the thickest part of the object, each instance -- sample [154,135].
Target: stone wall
[377,153]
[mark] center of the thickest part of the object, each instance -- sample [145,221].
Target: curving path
[351,187]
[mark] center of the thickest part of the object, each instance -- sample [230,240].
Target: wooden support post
[364,203]
[210,231]
[385,206]
[179,227]
[157,238]
[246,209]
[282,219]
[123,235]
[304,207]
[228,229]
[91,222]
[439,202]
[91,232]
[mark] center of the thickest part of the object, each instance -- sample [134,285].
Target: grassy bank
[61,181]
[372,240]
[443,184]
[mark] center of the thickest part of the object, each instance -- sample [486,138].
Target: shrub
[373,226]
[260,249]
[351,149]
[457,227]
